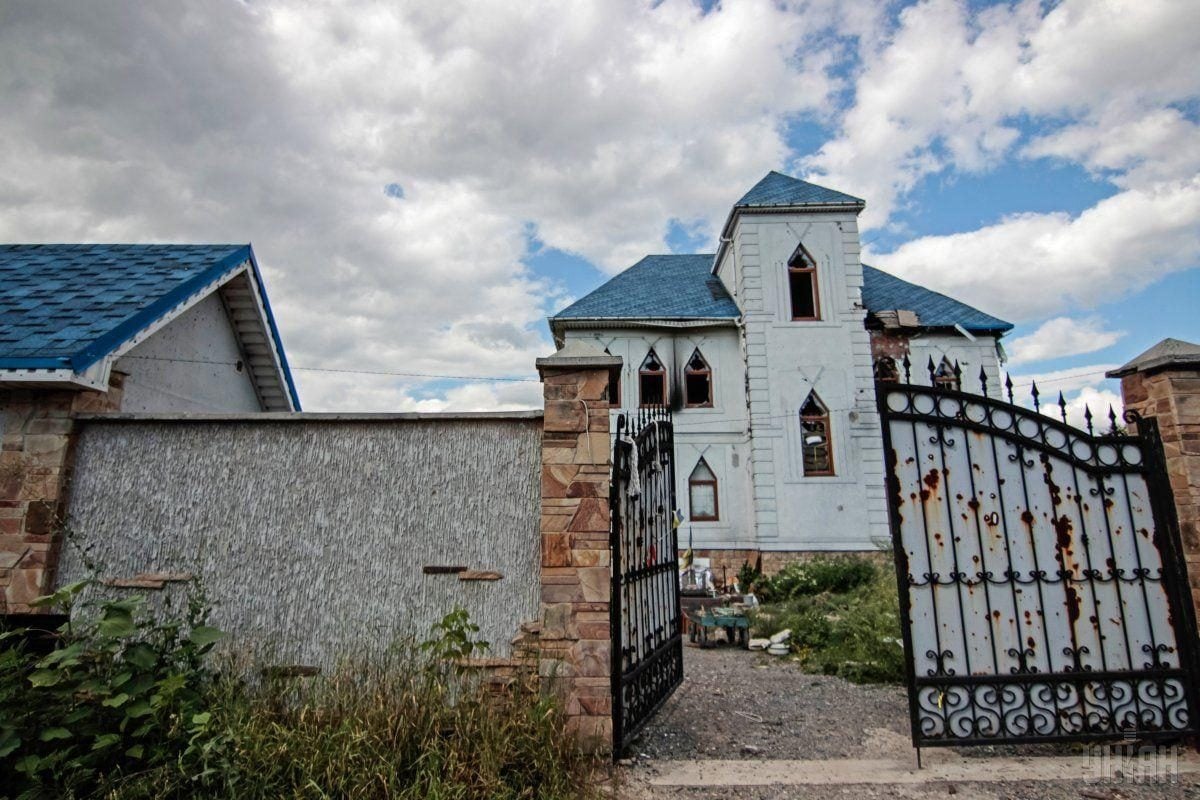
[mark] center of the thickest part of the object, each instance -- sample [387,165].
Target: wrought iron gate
[647,642]
[1042,586]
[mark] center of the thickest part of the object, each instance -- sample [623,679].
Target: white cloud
[593,123]
[1029,266]
[1060,337]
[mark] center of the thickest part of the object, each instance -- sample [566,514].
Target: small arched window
[702,493]
[815,444]
[652,382]
[697,382]
[886,370]
[802,286]
[944,377]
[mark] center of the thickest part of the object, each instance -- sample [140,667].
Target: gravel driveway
[744,707]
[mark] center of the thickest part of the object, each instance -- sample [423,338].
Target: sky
[424,183]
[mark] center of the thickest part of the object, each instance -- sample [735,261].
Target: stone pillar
[37,442]
[576,650]
[1164,383]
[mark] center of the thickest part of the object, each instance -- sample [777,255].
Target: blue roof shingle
[662,287]
[777,189]
[883,291]
[66,306]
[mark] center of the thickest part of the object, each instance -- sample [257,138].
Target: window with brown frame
[802,286]
[815,444]
[886,370]
[702,493]
[697,382]
[944,376]
[652,382]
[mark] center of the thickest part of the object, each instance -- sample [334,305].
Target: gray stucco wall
[309,532]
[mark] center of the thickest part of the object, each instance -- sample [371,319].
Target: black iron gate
[1042,584]
[647,642]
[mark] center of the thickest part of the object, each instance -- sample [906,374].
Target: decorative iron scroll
[647,644]
[1042,589]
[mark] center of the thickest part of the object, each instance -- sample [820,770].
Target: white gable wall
[718,434]
[166,372]
[970,355]
[785,361]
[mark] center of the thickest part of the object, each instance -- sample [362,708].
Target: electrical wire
[349,371]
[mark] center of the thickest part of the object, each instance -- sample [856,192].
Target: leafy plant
[820,574]
[120,692]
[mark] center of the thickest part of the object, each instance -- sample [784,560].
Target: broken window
[697,382]
[945,377]
[614,385]
[702,491]
[652,382]
[802,285]
[886,370]
[815,442]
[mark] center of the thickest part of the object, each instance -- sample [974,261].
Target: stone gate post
[1164,383]
[575,637]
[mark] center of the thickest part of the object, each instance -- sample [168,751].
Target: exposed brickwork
[889,343]
[1172,396]
[35,464]
[774,560]
[574,635]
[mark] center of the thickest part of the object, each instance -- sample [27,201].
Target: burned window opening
[886,370]
[802,286]
[815,444]
[697,382]
[652,382]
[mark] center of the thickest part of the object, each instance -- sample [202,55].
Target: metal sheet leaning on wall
[311,532]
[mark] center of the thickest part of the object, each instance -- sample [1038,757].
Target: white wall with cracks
[310,533]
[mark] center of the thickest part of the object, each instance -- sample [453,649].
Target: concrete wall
[311,532]
[785,361]
[719,434]
[168,372]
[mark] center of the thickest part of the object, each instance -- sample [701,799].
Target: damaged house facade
[767,352]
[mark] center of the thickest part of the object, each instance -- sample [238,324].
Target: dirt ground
[748,726]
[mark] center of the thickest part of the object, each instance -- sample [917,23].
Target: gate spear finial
[1008,384]
[1037,406]
[1062,406]
[932,372]
[1112,420]
[983,380]
[907,369]
[1087,416]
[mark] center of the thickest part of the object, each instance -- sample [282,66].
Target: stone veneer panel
[575,634]
[37,442]
[1172,397]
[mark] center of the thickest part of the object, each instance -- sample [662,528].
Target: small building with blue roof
[768,351]
[180,327]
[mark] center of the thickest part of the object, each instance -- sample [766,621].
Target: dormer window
[652,382]
[815,442]
[697,382]
[802,286]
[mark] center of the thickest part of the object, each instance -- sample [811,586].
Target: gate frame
[651,421]
[1167,541]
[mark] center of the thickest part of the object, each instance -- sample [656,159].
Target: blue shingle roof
[885,292]
[664,286]
[777,189]
[66,306]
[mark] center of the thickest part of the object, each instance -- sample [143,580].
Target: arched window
[886,370]
[802,285]
[702,492]
[944,376]
[652,382]
[815,441]
[697,382]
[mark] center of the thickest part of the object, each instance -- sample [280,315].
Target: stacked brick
[36,449]
[575,635]
[1172,397]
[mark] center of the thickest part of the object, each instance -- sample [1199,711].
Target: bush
[820,574]
[853,633]
[127,707]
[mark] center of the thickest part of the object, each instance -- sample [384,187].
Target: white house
[768,353]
